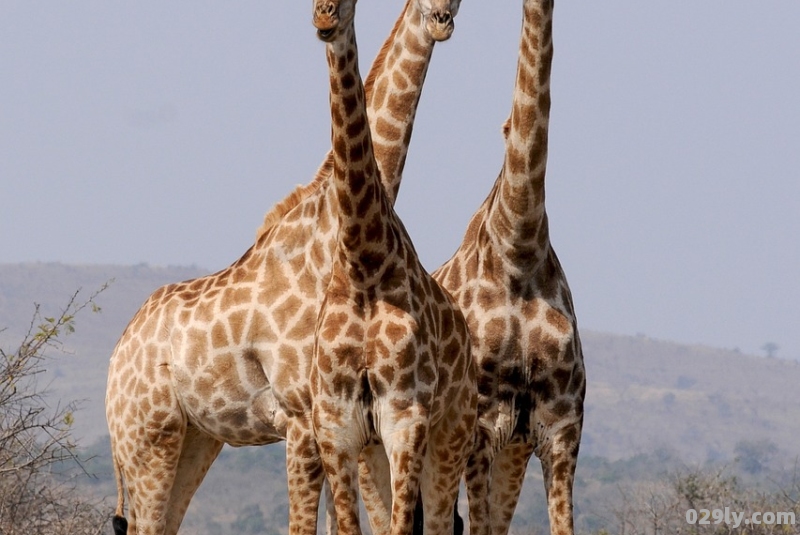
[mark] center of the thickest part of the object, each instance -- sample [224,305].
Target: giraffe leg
[376,489]
[339,452]
[198,452]
[331,526]
[559,461]
[149,470]
[449,445]
[476,476]
[146,443]
[118,522]
[405,450]
[304,476]
[508,475]
[376,493]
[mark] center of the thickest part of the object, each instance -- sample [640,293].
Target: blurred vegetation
[40,464]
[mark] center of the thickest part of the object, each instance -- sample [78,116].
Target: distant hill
[81,374]
[642,394]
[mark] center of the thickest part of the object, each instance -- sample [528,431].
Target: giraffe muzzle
[326,20]
[441,25]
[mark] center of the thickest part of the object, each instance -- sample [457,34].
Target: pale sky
[161,132]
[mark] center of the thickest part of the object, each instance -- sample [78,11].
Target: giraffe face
[439,16]
[330,15]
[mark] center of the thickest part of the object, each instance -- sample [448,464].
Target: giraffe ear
[506,128]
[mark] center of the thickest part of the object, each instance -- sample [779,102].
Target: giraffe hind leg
[118,522]
[339,450]
[449,445]
[197,454]
[406,453]
[376,493]
[419,519]
[305,477]
[145,452]
[476,475]
[508,474]
[558,467]
[149,468]
[376,489]
[150,489]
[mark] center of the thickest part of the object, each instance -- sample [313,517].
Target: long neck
[359,193]
[517,218]
[393,87]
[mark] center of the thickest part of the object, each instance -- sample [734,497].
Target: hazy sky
[161,132]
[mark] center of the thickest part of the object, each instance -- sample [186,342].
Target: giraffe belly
[231,410]
[253,423]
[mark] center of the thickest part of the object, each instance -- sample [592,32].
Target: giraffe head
[439,16]
[331,15]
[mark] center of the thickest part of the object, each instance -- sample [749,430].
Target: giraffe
[511,287]
[392,362]
[224,358]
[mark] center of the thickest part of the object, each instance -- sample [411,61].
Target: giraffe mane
[281,208]
[380,59]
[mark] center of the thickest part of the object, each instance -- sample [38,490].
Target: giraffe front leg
[476,477]
[375,485]
[339,450]
[450,444]
[508,475]
[559,461]
[405,449]
[304,475]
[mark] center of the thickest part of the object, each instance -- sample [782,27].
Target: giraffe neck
[517,218]
[394,87]
[361,203]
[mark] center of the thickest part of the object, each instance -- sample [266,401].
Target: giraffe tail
[118,522]
[120,525]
